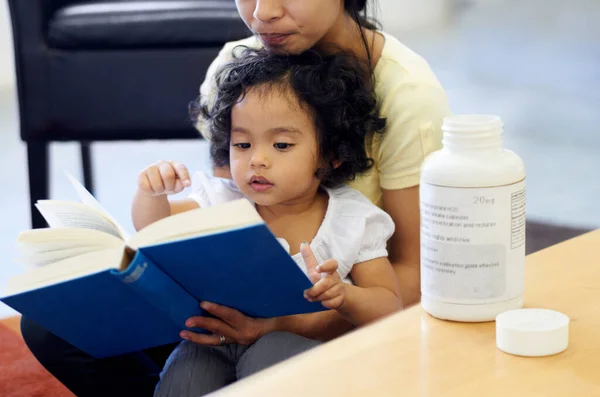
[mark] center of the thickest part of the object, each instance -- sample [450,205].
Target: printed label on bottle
[472,243]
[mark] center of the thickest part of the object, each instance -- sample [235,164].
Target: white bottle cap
[532,332]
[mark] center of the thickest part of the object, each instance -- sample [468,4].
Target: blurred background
[536,63]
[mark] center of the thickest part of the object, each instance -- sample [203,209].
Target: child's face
[291,26]
[274,151]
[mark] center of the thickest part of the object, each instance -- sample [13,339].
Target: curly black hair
[336,89]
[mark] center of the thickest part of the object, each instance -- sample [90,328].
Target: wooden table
[414,354]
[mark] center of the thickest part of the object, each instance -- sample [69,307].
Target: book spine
[150,282]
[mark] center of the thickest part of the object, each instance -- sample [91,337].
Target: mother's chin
[287,44]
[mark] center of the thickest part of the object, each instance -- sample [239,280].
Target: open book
[109,293]
[78,228]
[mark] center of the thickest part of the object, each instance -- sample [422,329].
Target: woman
[414,104]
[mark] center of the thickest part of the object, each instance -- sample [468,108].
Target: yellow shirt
[411,99]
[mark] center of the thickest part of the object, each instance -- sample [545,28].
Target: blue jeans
[137,374]
[194,370]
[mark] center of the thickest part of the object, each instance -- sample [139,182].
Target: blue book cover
[246,269]
[112,311]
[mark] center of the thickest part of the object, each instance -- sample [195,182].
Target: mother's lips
[274,38]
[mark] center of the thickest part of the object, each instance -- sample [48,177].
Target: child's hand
[164,177]
[329,289]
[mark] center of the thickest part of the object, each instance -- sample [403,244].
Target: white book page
[38,259]
[64,270]
[24,249]
[53,239]
[230,215]
[61,214]
[88,199]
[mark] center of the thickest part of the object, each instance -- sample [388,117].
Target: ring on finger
[221,340]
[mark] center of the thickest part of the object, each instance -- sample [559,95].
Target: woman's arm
[415,114]
[321,326]
[404,245]
[239,328]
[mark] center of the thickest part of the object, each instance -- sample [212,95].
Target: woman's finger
[231,316]
[213,325]
[204,339]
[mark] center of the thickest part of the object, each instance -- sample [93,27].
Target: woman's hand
[329,289]
[230,323]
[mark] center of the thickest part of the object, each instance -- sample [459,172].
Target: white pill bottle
[472,199]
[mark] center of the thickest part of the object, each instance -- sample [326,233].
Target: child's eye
[282,145]
[242,145]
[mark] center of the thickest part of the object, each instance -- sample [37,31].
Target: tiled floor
[541,73]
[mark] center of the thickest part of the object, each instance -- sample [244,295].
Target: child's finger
[144,183]
[331,293]
[178,186]
[182,173]
[168,175]
[310,262]
[321,286]
[330,266]
[335,303]
[156,181]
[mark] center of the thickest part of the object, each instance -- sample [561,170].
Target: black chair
[110,70]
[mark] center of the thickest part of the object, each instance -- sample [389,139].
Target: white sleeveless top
[354,230]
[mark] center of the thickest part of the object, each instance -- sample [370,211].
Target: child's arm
[155,183]
[375,294]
